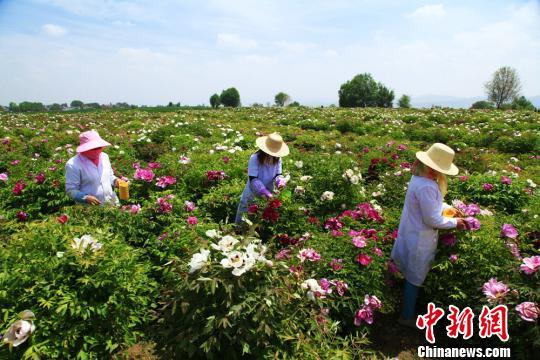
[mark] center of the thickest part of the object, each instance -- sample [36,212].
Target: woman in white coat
[89,176]
[416,243]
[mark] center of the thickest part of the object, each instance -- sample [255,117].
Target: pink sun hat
[89,140]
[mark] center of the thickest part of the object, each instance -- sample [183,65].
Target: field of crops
[152,279]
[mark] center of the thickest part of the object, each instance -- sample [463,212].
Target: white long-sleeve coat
[416,243]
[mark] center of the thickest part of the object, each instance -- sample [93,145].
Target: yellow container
[123,186]
[450,212]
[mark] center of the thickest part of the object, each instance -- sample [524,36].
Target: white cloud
[428,12]
[144,56]
[331,53]
[257,59]
[54,30]
[295,48]
[236,42]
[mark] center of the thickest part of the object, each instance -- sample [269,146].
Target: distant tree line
[28,106]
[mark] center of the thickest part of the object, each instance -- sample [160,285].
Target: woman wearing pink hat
[416,243]
[89,175]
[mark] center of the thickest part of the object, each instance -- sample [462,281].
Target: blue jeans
[410,293]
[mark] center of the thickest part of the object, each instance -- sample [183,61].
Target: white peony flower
[327,196]
[306,178]
[85,242]
[299,190]
[199,260]
[234,259]
[213,234]
[299,164]
[226,244]
[18,332]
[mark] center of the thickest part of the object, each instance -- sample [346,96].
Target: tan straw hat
[273,144]
[439,157]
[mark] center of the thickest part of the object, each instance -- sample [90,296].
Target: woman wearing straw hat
[264,170]
[416,243]
[89,175]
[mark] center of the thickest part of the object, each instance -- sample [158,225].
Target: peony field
[165,274]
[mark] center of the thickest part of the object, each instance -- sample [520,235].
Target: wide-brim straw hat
[273,144]
[439,157]
[89,140]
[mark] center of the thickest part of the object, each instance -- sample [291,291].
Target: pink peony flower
[495,291]
[283,254]
[192,220]
[4,177]
[189,206]
[308,254]
[253,209]
[528,311]
[463,178]
[530,265]
[15,162]
[226,159]
[471,210]
[506,180]
[325,284]
[392,268]
[62,219]
[40,178]
[341,287]
[449,239]
[18,188]
[364,314]
[164,206]
[509,231]
[453,258]
[487,186]
[336,264]
[401,147]
[333,224]
[165,181]
[154,165]
[514,249]
[22,216]
[377,251]
[184,160]
[363,259]
[359,241]
[214,175]
[144,175]
[135,209]
[472,223]
[373,302]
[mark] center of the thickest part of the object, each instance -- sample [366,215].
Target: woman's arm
[73,184]
[430,206]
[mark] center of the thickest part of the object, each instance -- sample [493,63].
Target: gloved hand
[264,192]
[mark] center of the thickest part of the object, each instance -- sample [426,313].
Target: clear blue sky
[153,51]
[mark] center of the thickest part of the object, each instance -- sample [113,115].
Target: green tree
[215,101]
[282,99]
[522,103]
[13,107]
[482,104]
[364,91]
[385,96]
[504,86]
[294,104]
[404,101]
[55,107]
[230,97]
[27,106]
[77,104]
